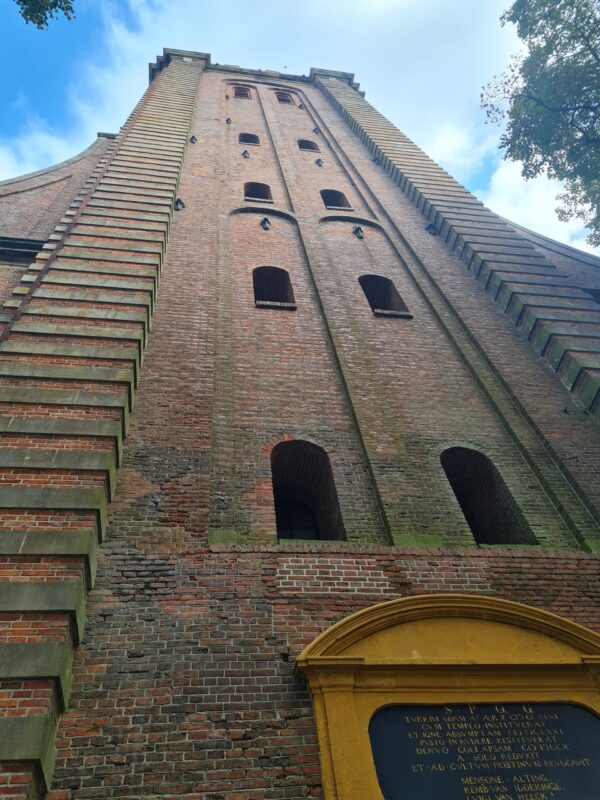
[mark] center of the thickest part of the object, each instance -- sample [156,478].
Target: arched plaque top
[453,629]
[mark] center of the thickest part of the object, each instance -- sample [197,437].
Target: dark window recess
[258,191]
[19,252]
[383,296]
[248,138]
[594,294]
[306,503]
[306,144]
[484,497]
[273,288]
[241,91]
[295,519]
[284,97]
[334,199]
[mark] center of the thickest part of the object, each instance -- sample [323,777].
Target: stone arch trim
[363,623]
[264,211]
[437,650]
[352,218]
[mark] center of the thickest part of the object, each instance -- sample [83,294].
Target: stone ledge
[77,331]
[46,659]
[89,313]
[37,347]
[103,268]
[81,543]
[61,397]
[29,739]
[52,597]
[54,372]
[77,294]
[49,459]
[81,499]
[57,426]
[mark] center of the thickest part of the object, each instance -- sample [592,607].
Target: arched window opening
[383,297]
[484,497]
[241,91]
[306,503]
[336,200]
[258,191]
[284,97]
[306,144]
[273,288]
[248,138]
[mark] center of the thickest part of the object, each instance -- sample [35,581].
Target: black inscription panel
[487,752]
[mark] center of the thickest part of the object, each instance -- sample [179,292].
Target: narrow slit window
[306,502]
[485,499]
[306,144]
[242,92]
[383,297]
[248,138]
[284,97]
[336,200]
[258,191]
[273,288]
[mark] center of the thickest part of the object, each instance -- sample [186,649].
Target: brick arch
[484,497]
[304,489]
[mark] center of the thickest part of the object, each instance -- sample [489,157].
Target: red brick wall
[184,683]
[31,205]
[185,687]
[190,647]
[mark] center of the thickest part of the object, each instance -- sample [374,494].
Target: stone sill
[384,312]
[275,304]
[340,547]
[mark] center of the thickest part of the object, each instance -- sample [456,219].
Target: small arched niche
[383,297]
[306,144]
[306,501]
[485,499]
[332,198]
[242,92]
[284,97]
[273,288]
[260,192]
[248,138]
[451,669]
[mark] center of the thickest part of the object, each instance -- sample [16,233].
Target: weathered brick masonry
[160,665]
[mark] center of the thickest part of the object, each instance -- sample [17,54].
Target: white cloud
[36,147]
[323,33]
[531,203]
[442,115]
[461,150]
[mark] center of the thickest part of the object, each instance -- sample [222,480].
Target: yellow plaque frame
[436,649]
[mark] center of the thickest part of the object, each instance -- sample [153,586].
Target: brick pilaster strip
[563,324]
[69,365]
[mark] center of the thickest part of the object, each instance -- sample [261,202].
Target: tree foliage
[549,99]
[40,12]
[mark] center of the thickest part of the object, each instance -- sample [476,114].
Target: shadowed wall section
[484,498]
[69,365]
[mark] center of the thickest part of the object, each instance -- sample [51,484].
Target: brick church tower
[289,421]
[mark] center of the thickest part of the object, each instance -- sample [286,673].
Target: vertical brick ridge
[572,504]
[563,325]
[357,383]
[69,365]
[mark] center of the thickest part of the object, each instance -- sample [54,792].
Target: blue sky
[421,62]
